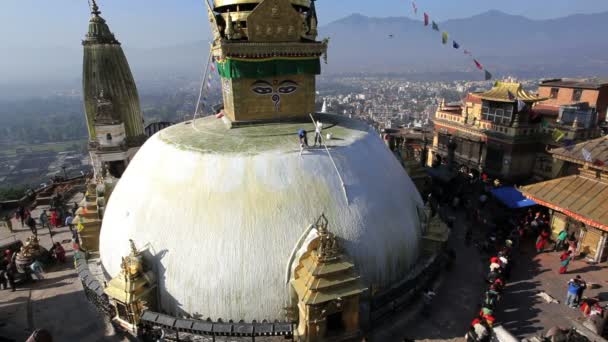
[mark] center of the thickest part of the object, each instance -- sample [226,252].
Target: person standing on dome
[303,136]
[318,129]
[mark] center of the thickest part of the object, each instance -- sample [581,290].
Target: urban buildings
[506,131]
[492,132]
[571,93]
[579,199]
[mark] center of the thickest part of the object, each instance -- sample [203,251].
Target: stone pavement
[56,303]
[523,313]
[459,292]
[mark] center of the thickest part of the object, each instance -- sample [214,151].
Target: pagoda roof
[598,148]
[580,197]
[500,93]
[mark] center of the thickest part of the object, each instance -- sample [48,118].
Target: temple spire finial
[94,8]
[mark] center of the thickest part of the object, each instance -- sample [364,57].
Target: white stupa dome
[224,211]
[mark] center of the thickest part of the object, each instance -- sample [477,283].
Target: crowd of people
[10,274]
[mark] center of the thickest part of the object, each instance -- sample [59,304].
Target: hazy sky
[152,23]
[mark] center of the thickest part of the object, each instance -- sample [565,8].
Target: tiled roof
[580,197]
[573,84]
[598,149]
[500,93]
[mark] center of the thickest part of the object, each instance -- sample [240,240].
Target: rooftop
[581,84]
[210,135]
[507,92]
[578,196]
[597,149]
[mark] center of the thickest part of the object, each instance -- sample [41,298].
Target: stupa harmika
[230,213]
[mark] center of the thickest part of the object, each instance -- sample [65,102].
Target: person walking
[21,214]
[44,219]
[11,269]
[3,283]
[9,223]
[582,286]
[565,259]
[69,221]
[32,224]
[573,287]
[74,209]
[561,240]
[541,241]
[318,130]
[54,219]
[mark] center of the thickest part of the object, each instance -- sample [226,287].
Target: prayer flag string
[445,38]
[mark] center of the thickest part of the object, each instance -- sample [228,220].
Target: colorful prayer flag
[558,135]
[456,45]
[426,19]
[478,65]
[598,162]
[521,105]
[212,67]
[467,52]
[488,76]
[415,7]
[510,95]
[435,26]
[587,155]
[444,38]
[208,85]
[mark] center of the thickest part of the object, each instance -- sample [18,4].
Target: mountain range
[505,44]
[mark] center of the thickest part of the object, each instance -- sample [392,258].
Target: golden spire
[94,8]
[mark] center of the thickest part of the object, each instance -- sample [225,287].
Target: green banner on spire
[268,67]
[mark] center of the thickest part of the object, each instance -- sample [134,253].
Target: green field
[56,147]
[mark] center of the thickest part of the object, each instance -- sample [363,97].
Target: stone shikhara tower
[114,118]
[267,56]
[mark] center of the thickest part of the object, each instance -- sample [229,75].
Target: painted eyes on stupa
[262,88]
[287,87]
[265,88]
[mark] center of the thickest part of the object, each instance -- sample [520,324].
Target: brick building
[560,92]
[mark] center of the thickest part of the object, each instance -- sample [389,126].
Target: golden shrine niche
[132,291]
[328,289]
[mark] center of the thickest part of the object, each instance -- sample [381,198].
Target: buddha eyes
[262,90]
[287,89]
[265,88]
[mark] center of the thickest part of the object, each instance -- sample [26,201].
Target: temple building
[506,133]
[242,224]
[114,118]
[491,132]
[579,198]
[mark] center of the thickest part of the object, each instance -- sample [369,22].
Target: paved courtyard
[56,303]
[524,314]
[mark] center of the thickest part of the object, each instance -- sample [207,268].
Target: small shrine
[328,289]
[132,291]
[30,252]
